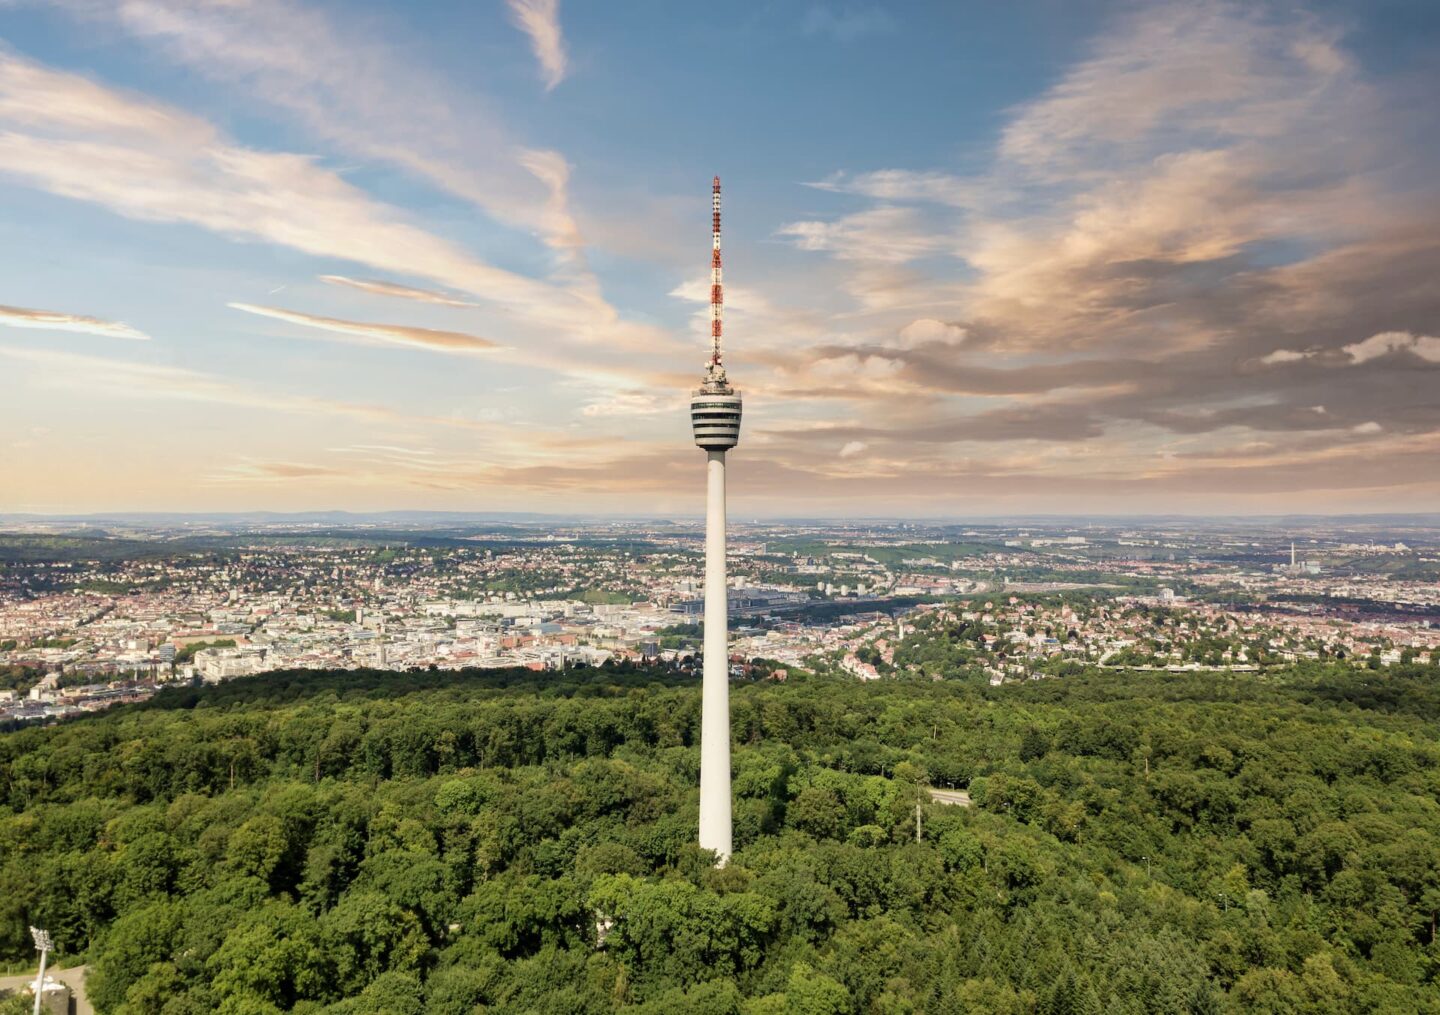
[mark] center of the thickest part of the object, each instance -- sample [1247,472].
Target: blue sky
[979,257]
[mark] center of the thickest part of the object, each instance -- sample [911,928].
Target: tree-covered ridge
[454,843]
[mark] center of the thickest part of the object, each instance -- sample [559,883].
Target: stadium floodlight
[43,944]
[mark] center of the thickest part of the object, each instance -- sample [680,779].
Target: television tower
[715,418]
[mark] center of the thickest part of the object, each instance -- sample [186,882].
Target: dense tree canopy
[481,842]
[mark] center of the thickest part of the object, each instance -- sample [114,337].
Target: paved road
[74,976]
[958,797]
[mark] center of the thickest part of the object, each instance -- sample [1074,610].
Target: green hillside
[444,843]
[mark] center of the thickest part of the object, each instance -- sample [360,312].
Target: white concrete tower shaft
[715,694]
[715,420]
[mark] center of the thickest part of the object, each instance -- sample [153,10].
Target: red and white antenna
[717,288]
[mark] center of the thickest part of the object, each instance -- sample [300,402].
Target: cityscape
[120,616]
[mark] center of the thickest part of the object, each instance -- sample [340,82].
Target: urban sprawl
[87,621]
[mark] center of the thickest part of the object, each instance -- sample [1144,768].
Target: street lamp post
[43,944]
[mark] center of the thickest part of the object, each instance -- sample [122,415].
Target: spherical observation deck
[715,417]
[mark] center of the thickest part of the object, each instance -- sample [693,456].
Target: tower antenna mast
[715,371]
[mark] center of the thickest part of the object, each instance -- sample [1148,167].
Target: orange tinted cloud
[21,317]
[378,334]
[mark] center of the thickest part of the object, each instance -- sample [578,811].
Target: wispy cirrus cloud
[395,289]
[345,82]
[884,235]
[1175,76]
[154,381]
[145,160]
[22,317]
[248,471]
[906,185]
[361,465]
[501,466]
[109,377]
[540,19]
[372,333]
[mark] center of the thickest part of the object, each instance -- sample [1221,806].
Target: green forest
[508,842]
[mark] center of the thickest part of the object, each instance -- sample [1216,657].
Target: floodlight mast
[43,944]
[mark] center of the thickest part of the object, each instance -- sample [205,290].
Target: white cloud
[346,84]
[1210,68]
[128,379]
[20,317]
[1078,275]
[379,334]
[886,235]
[388,449]
[405,292]
[1099,220]
[551,169]
[1190,134]
[859,376]
[540,19]
[927,329]
[634,403]
[741,298]
[905,185]
[157,382]
[1388,342]
[171,167]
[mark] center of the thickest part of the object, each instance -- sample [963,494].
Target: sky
[1045,257]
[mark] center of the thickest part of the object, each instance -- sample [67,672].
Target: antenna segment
[716,368]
